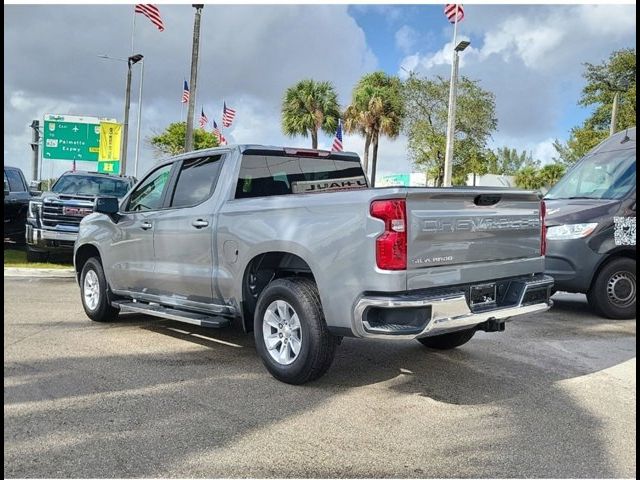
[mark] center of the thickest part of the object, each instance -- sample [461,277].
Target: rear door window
[196,180]
[262,175]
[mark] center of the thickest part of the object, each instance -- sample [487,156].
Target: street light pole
[125,124]
[135,165]
[132,60]
[451,118]
[188,143]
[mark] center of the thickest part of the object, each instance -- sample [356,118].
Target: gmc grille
[52,212]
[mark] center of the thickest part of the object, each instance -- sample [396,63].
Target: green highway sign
[71,137]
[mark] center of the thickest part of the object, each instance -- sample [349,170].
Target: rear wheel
[290,331]
[613,292]
[448,340]
[94,292]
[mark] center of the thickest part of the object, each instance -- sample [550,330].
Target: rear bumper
[47,240]
[435,314]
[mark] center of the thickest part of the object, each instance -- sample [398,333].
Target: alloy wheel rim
[621,289]
[91,290]
[282,332]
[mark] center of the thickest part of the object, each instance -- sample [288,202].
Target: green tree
[508,161]
[617,74]
[426,103]
[171,141]
[551,173]
[528,178]
[308,107]
[532,178]
[376,109]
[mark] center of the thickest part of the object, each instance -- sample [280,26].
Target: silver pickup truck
[295,245]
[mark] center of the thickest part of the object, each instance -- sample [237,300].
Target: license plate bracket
[482,295]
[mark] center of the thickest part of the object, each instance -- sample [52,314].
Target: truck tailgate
[464,226]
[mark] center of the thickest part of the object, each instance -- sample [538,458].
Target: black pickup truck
[16,202]
[53,218]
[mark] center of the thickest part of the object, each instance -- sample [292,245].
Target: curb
[39,272]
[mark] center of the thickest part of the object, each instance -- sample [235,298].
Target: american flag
[450,12]
[218,134]
[228,114]
[337,140]
[203,119]
[152,13]
[185,93]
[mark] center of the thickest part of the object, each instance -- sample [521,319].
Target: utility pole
[188,143]
[451,117]
[35,148]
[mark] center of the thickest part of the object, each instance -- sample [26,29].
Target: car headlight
[35,208]
[569,232]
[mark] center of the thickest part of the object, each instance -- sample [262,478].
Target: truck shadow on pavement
[159,414]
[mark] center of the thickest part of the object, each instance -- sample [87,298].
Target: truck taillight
[543,229]
[391,246]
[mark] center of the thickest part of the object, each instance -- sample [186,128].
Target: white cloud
[406,38]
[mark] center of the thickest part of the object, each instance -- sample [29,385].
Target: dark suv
[16,203]
[53,219]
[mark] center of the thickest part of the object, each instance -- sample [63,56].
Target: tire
[613,291]
[279,304]
[36,256]
[96,302]
[448,340]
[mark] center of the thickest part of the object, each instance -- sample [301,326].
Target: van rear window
[262,176]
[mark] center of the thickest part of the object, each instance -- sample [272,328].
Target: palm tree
[376,109]
[309,106]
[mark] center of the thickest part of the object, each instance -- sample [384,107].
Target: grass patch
[18,258]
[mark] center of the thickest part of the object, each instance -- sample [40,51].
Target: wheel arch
[82,254]
[619,253]
[261,270]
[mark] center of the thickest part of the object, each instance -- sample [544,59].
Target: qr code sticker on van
[624,232]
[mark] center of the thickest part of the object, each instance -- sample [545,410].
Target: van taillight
[391,246]
[543,229]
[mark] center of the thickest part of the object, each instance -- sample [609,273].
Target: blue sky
[530,56]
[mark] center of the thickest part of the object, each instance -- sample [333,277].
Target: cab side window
[148,195]
[196,180]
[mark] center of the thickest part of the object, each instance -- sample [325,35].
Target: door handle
[145,225]
[199,223]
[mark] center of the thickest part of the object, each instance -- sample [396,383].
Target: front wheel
[613,293]
[448,341]
[290,331]
[94,292]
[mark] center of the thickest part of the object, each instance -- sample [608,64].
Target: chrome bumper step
[169,313]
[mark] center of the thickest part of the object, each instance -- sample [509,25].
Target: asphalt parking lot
[553,396]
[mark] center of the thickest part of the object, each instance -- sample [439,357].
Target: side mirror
[6,188]
[107,205]
[35,188]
